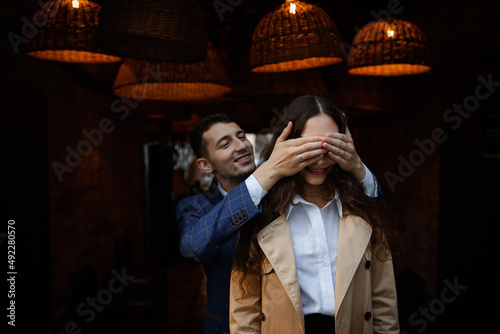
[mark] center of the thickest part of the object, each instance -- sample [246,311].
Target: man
[209,222]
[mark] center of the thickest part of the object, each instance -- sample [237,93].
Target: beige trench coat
[365,293]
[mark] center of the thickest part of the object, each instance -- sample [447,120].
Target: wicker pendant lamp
[296,36]
[68,33]
[144,79]
[389,48]
[157,30]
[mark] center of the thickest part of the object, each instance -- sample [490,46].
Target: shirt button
[368,315]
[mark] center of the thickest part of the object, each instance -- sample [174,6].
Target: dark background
[116,208]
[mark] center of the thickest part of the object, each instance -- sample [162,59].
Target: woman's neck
[316,194]
[311,188]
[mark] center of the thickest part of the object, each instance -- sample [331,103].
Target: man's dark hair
[198,142]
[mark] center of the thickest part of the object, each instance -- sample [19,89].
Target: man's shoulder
[198,198]
[210,197]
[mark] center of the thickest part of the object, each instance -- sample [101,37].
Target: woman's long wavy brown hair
[249,256]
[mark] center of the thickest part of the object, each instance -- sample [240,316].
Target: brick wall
[96,196]
[102,197]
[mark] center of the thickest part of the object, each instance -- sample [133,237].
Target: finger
[308,147]
[345,155]
[348,153]
[312,154]
[333,144]
[347,132]
[286,132]
[296,142]
[334,149]
[336,135]
[311,161]
[338,159]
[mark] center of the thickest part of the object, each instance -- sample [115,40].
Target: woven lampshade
[144,79]
[389,48]
[296,36]
[157,30]
[68,35]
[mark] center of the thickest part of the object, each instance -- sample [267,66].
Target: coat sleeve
[204,227]
[245,309]
[384,296]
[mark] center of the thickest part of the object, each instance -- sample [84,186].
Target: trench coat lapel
[354,237]
[276,243]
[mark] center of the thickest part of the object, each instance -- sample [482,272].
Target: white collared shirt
[315,234]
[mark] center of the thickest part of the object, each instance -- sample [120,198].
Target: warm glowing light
[292,8]
[76,4]
[390,33]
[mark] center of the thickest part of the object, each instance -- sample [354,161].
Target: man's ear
[204,165]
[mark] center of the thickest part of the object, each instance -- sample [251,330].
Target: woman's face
[318,125]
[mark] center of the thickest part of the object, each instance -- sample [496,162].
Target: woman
[317,260]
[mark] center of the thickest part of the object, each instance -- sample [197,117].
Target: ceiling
[458,31]
[233,33]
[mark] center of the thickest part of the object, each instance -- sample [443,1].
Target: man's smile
[244,158]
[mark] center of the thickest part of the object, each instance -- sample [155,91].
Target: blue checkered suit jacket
[209,224]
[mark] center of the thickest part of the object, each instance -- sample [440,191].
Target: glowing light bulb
[292,8]
[390,33]
[76,4]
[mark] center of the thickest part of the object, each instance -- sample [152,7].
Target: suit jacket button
[262,317]
[368,315]
[368,264]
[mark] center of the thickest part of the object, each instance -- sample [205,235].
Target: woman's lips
[316,171]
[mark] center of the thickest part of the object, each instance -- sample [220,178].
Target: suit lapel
[276,243]
[354,236]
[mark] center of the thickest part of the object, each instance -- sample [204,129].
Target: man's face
[229,154]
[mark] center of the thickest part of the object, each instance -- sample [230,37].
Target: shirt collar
[222,191]
[298,200]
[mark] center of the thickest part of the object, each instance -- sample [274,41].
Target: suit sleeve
[372,186]
[205,227]
[379,195]
[384,296]
[244,309]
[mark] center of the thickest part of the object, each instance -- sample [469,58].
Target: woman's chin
[314,180]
